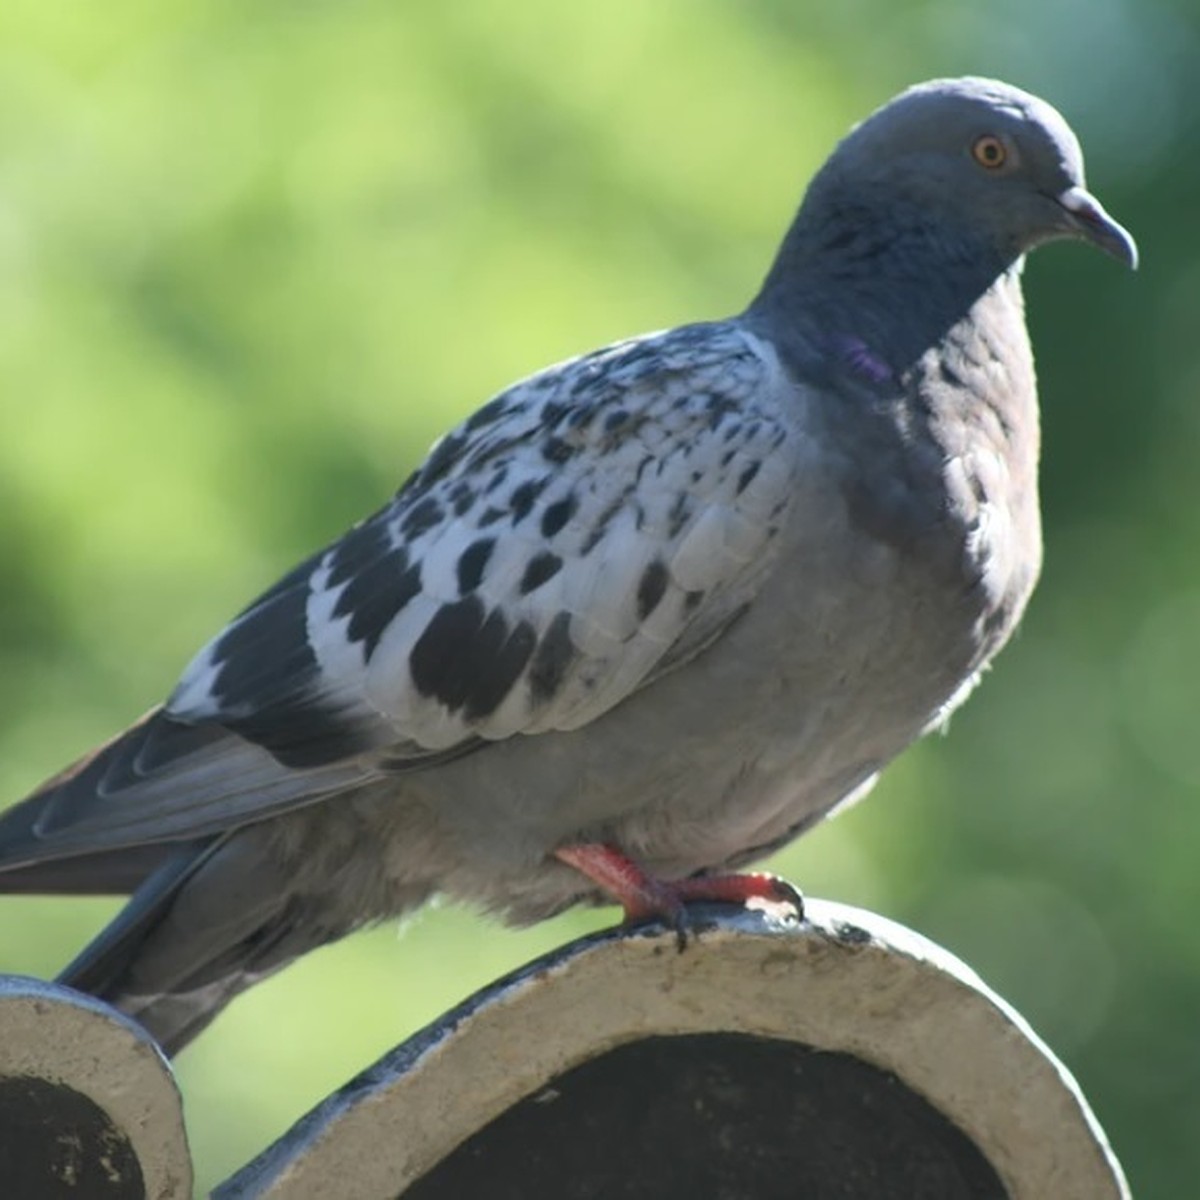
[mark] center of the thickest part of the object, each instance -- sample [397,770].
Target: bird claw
[759,890]
[645,898]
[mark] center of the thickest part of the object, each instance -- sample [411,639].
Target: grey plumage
[683,597]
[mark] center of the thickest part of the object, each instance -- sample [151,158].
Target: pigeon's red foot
[645,898]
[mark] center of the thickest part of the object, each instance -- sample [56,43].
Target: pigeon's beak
[1087,219]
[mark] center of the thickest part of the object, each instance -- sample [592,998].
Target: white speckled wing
[583,532]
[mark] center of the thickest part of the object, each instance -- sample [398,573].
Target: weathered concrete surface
[844,980]
[88,1105]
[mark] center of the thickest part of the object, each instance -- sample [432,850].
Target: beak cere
[1088,220]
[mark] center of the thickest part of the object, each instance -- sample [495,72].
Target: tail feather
[201,928]
[104,961]
[215,905]
[214,918]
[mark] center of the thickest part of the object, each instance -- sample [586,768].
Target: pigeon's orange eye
[990,152]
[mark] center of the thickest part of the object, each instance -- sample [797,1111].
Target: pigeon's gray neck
[872,282]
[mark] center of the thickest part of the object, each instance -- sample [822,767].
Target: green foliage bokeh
[254,257]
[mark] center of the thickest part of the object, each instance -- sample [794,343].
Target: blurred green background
[255,256]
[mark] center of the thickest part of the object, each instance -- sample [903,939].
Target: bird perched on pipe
[643,618]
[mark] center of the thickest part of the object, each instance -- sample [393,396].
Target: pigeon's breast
[939,463]
[979,392]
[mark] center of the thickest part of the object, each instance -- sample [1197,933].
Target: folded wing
[587,530]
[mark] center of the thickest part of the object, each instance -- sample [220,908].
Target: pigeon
[643,618]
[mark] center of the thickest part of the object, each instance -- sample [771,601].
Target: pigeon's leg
[643,897]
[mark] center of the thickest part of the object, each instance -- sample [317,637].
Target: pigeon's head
[980,154]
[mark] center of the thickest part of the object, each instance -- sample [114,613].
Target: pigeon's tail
[216,916]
